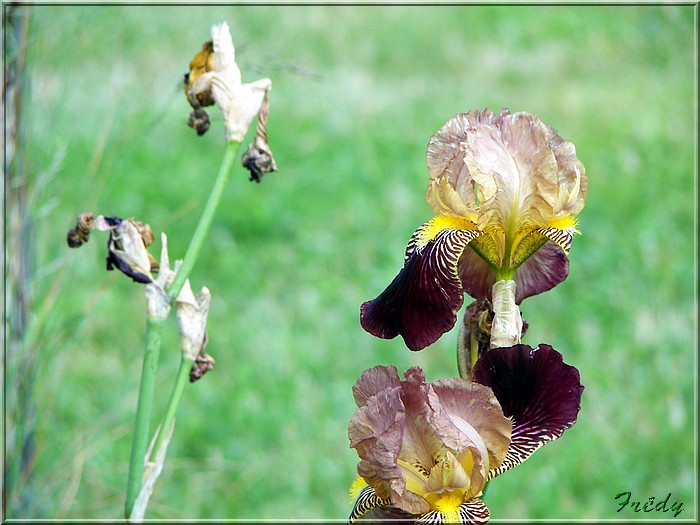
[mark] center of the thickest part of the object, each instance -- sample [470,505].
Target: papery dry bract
[191,313]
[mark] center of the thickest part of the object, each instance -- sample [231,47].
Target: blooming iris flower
[428,449]
[506,190]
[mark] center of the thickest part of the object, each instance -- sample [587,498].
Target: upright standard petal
[513,176]
[536,390]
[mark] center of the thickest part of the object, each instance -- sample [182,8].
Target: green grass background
[357,93]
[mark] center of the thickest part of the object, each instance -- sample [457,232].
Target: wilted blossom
[506,190]
[214,78]
[127,244]
[427,449]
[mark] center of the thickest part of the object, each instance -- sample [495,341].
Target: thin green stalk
[154,330]
[181,380]
[206,220]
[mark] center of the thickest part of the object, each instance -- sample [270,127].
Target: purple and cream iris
[506,190]
[427,449]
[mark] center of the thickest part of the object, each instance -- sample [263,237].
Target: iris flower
[506,190]
[428,449]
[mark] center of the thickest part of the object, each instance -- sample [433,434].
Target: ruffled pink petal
[373,381]
[375,431]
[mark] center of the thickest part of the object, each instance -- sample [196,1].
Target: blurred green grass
[357,92]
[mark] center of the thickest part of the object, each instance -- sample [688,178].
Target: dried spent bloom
[427,449]
[506,190]
[127,243]
[214,78]
[80,233]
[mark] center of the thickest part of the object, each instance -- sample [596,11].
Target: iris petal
[373,381]
[368,501]
[542,271]
[545,269]
[375,432]
[537,391]
[369,506]
[474,512]
[422,301]
[477,407]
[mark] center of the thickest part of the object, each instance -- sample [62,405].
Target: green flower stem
[181,380]
[154,330]
[206,220]
[467,354]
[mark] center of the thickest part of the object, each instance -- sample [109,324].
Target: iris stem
[181,379]
[205,221]
[154,330]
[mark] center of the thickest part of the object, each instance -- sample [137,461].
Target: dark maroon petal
[537,391]
[542,271]
[477,277]
[422,301]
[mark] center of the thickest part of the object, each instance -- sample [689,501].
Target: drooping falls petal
[422,301]
[370,507]
[538,392]
[473,512]
[542,271]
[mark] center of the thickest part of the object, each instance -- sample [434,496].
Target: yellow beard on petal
[356,488]
[443,222]
[564,222]
[448,504]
